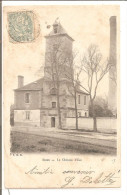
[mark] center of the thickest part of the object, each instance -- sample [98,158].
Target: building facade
[36,104]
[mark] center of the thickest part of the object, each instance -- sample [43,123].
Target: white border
[17,3]
[123,67]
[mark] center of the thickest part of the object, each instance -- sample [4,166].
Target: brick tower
[112,96]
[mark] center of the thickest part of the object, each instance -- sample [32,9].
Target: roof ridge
[82,91]
[29,84]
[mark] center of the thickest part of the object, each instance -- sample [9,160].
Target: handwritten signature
[86,177]
[108,179]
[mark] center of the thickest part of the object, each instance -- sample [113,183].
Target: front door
[52,121]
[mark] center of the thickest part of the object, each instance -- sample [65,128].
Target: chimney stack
[113,59]
[20,81]
[113,39]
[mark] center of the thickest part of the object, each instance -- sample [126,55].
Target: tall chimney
[113,70]
[20,81]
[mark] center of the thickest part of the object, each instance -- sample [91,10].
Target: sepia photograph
[61,89]
[64,106]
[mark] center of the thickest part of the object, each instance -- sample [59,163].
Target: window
[84,100]
[55,30]
[85,114]
[53,104]
[27,115]
[79,114]
[55,47]
[27,98]
[53,91]
[78,99]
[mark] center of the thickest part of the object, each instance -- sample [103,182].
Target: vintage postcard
[61,102]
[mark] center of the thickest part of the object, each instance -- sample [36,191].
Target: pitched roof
[36,85]
[81,91]
[60,31]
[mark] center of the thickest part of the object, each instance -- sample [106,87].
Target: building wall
[20,118]
[43,100]
[35,100]
[46,115]
[64,46]
[107,125]
[82,105]
[62,42]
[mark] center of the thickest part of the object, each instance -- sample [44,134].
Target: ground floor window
[79,114]
[53,104]
[85,114]
[27,115]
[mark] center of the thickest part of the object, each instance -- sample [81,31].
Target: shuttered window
[84,100]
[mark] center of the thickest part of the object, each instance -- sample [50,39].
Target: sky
[85,24]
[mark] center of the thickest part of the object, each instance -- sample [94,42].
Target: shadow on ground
[28,143]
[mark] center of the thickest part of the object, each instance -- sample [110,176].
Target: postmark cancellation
[21,26]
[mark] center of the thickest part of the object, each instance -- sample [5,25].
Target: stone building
[36,103]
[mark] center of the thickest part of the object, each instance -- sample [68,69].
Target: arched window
[53,91]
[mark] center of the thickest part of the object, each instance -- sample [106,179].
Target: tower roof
[58,30]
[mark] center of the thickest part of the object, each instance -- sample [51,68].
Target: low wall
[107,125]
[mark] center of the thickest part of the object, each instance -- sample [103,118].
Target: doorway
[52,121]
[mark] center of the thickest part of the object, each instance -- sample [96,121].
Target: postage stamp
[21,26]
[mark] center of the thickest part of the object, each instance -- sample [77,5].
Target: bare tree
[94,70]
[73,77]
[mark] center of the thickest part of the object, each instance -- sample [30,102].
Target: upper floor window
[85,100]
[27,98]
[27,115]
[53,91]
[55,30]
[54,76]
[53,104]
[55,47]
[78,99]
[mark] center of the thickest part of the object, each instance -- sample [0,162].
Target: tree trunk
[58,108]
[94,117]
[76,113]
[95,124]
